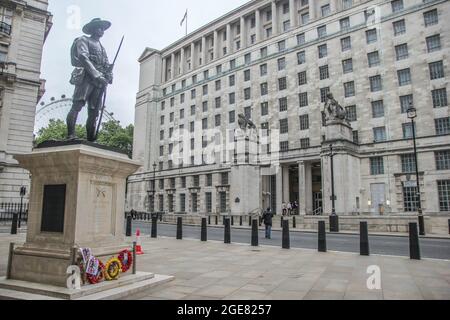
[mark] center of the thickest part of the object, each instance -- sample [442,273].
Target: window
[205,106]
[404,77]
[346,4]
[439,98]
[218,85]
[444,195]
[269,32]
[347,66]
[323,94]
[161,202]
[442,126]
[301,57]
[182,98]
[304,143]
[322,31]
[434,43]
[281,64]
[302,78]
[436,70]
[194,79]
[376,166]
[286,25]
[442,160]
[303,99]
[218,101]
[248,58]
[172,116]
[304,122]
[431,18]
[205,75]
[410,199]
[351,113]
[305,18]
[264,52]
[208,196]
[373,58]
[401,51]
[194,197]
[224,178]
[325,10]
[346,44]
[232,64]
[232,116]
[232,80]
[301,39]
[253,38]
[406,102]
[204,124]
[375,83]
[163,105]
[192,144]
[162,120]
[264,109]
[193,110]
[264,89]
[282,45]
[182,202]
[355,137]
[323,51]
[284,146]
[323,72]
[408,163]
[231,98]
[196,181]
[161,135]
[248,112]
[172,102]
[161,184]
[193,94]
[283,104]
[218,119]
[371,36]
[379,134]
[247,75]
[263,69]
[285,8]
[247,94]
[399,27]
[397,5]
[205,89]
[282,84]
[223,202]
[377,109]
[349,89]
[345,24]
[407,130]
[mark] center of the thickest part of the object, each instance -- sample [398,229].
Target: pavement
[216,271]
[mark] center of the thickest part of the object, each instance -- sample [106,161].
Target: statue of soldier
[334,110]
[91,76]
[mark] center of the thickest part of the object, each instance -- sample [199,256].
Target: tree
[112,134]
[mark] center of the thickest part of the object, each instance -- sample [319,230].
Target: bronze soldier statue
[91,76]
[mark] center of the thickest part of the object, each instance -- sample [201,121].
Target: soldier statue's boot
[91,123]
[71,122]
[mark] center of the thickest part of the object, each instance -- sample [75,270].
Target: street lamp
[151,192]
[412,114]
[334,219]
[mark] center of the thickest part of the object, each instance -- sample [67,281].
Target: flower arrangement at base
[126,259]
[113,268]
[100,274]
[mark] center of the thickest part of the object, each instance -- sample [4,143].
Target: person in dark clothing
[267,218]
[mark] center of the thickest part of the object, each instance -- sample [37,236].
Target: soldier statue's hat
[95,23]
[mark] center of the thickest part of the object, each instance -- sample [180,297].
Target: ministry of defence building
[274,63]
[24,26]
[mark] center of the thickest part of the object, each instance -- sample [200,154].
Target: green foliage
[112,134]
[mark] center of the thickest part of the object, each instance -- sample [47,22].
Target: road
[384,245]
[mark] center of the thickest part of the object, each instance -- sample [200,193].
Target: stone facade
[275,61]
[23,30]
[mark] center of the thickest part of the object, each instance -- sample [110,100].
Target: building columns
[172,66]
[243,33]
[312,12]
[193,57]
[333,6]
[293,12]
[305,187]
[274,18]
[279,187]
[182,61]
[286,187]
[164,68]
[229,38]
[216,45]
[258,25]
[203,50]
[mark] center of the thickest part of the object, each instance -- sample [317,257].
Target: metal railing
[7,211]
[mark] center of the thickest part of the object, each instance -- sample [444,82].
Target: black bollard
[448,226]
[161,217]
[240,221]
[217,220]
[322,237]
[209,220]
[422,225]
[154,227]
[364,239]
[414,248]
[255,233]
[128,228]
[14,223]
[260,221]
[227,236]
[134,267]
[232,220]
[179,228]
[286,240]
[334,223]
[294,223]
[249,221]
[204,236]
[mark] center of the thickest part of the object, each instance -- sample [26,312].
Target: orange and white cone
[138,243]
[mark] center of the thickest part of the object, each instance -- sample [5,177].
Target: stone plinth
[89,184]
[338,130]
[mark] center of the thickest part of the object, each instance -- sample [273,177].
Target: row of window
[430,17]
[408,162]
[222,197]
[195,182]
[411,197]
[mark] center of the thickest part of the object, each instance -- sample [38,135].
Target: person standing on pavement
[267,218]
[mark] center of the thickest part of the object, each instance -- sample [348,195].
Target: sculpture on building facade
[245,123]
[333,110]
[91,76]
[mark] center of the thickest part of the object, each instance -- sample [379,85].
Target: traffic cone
[138,243]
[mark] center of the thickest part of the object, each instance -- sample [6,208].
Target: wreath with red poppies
[126,259]
[100,274]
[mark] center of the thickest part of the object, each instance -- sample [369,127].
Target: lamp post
[412,114]
[334,219]
[151,192]
[23,192]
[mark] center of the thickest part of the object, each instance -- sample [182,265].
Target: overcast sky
[145,23]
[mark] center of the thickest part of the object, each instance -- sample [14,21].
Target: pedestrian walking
[267,219]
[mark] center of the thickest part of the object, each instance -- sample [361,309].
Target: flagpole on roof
[186,22]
